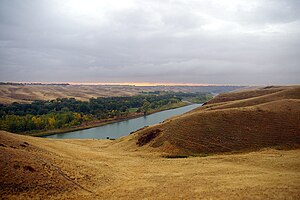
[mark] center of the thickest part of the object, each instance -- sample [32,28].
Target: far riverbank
[97,123]
[125,127]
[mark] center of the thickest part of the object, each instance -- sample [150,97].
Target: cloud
[213,41]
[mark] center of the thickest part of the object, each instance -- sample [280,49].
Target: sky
[155,41]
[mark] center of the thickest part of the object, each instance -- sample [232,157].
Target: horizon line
[126,83]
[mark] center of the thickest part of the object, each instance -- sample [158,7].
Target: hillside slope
[27,168]
[38,168]
[236,121]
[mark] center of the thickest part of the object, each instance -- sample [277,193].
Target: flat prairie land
[28,93]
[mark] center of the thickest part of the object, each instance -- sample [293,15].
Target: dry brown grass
[247,123]
[100,169]
[28,93]
[247,93]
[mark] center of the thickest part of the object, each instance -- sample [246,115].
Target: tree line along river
[123,128]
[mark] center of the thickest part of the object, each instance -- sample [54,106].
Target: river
[119,129]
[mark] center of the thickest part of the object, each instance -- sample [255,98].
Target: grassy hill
[139,166]
[245,120]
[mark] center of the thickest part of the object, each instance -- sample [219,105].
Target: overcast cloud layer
[180,41]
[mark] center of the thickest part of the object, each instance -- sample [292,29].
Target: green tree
[145,107]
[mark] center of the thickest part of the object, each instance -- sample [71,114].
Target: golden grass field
[28,93]
[234,160]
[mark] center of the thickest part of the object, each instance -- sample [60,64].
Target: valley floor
[102,169]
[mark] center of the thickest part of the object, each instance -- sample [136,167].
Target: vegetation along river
[119,129]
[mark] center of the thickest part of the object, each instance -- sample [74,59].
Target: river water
[119,129]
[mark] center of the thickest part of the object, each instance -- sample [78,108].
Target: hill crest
[255,119]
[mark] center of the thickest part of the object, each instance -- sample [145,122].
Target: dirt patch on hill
[148,137]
